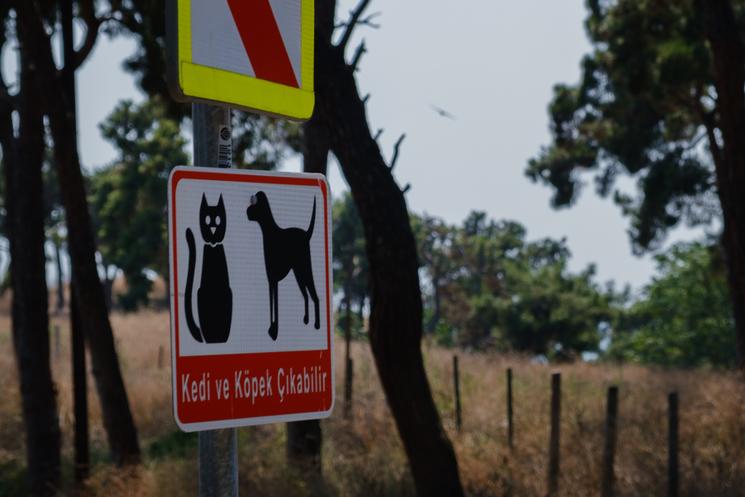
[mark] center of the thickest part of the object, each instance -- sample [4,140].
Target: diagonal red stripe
[263,41]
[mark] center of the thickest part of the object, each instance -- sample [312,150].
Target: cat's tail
[309,232]
[193,328]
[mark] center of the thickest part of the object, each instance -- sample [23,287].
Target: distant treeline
[485,285]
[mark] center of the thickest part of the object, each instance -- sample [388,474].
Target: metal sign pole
[218,449]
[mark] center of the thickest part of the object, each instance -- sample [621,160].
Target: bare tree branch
[367,21]
[709,121]
[406,188]
[365,98]
[377,134]
[396,149]
[696,140]
[354,19]
[358,53]
[92,24]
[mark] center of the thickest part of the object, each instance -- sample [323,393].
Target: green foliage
[436,251]
[646,107]
[491,288]
[128,197]
[351,268]
[145,21]
[642,108]
[13,478]
[442,334]
[261,142]
[176,444]
[683,318]
[554,312]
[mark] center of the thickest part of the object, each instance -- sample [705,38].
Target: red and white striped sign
[259,38]
[263,41]
[254,54]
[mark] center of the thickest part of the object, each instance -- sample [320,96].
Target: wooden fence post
[348,349]
[56,341]
[456,382]
[672,445]
[553,447]
[510,426]
[609,450]
[348,380]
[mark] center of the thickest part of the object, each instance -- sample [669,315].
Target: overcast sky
[491,64]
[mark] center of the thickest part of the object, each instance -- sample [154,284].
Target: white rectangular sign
[251,290]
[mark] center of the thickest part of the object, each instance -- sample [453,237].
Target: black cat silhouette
[214,297]
[284,249]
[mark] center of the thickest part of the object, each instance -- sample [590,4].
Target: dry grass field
[363,456]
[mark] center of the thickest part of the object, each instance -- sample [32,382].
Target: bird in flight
[442,112]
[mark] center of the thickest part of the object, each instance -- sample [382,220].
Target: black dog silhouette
[284,249]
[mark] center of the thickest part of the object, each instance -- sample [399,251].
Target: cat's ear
[204,201]
[220,203]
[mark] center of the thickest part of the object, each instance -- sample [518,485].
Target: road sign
[252,54]
[250,262]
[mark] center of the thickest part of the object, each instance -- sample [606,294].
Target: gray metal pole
[210,149]
[218,449]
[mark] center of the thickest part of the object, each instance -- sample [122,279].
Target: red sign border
[297,410]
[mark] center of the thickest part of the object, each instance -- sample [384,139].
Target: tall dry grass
[364,457]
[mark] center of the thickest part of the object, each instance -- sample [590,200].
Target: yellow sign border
[197,82]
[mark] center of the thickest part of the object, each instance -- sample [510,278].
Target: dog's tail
[193,328]
[309,232]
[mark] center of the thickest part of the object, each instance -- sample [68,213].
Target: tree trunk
[108,287]
[24,197]
[361,313]
[304,441]
[117,417]
[60,276]
[726,46]
[348,341]
[68,53]
[304,438]
[396,305]
[80,392]
[315,147]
